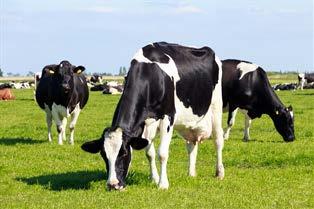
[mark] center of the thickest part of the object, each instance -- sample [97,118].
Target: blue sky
[103,35]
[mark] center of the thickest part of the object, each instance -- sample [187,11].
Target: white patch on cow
[246,68]
[112,83]
[149,133]
[112,145]
[139,56]
[291,113]
[74,116]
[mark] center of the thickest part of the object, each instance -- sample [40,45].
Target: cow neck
[271,102]
[129,115]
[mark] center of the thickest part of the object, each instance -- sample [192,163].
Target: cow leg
[165,137]
[219,141]
[64,125]
[74,118]
[192,152]
[59,125]
[231,120]
[248,122]
[151,156]
[49,122]
[149,133]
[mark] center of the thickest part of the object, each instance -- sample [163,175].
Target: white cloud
[184,9]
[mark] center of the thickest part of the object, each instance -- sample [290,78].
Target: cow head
[284,123]
[64,73]
[115,149]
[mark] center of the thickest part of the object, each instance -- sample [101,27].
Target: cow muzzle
[66,87]
[289,138]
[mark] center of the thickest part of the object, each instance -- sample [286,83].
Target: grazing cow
[167,85]
[61,92]
[246,86]
[305,78]
[6,94]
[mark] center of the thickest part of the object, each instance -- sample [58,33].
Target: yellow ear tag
[79,71]
[51,71]
[277,112]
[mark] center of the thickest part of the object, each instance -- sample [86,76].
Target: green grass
[263,173]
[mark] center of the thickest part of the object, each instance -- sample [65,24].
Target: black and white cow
[285,86]
[96,79]
[61,92]
[305,78]
[167,85]
[246,86]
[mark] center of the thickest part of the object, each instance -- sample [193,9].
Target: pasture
[263,173]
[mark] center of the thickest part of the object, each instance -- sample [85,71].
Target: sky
[103,35]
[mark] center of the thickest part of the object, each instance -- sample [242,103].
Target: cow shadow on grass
[305,94]
[263,141]
[14,141]
[78,180]
[64,181]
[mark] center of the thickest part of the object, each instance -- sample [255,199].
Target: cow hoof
[220,172]
[192,174]
[155,179]
[163,186]
[115,187]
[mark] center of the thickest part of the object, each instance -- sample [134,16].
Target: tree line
[122,72]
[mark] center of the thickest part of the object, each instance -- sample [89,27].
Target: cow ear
[79,69]
[92,146]
[138,143]
[49,70]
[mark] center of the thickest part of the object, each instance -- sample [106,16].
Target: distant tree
[1,73]
[10,74]
[30,73]
[122,71]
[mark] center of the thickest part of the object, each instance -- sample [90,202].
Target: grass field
[263,173]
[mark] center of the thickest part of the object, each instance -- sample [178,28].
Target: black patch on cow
[155,55]
[168,128]
[198,74]
[148,93]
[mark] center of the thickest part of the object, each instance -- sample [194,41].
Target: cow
[285,86]
[305,78]
[245,85]
[61,92]
[5,86]
[6,94]
[96,79]
[167,85]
